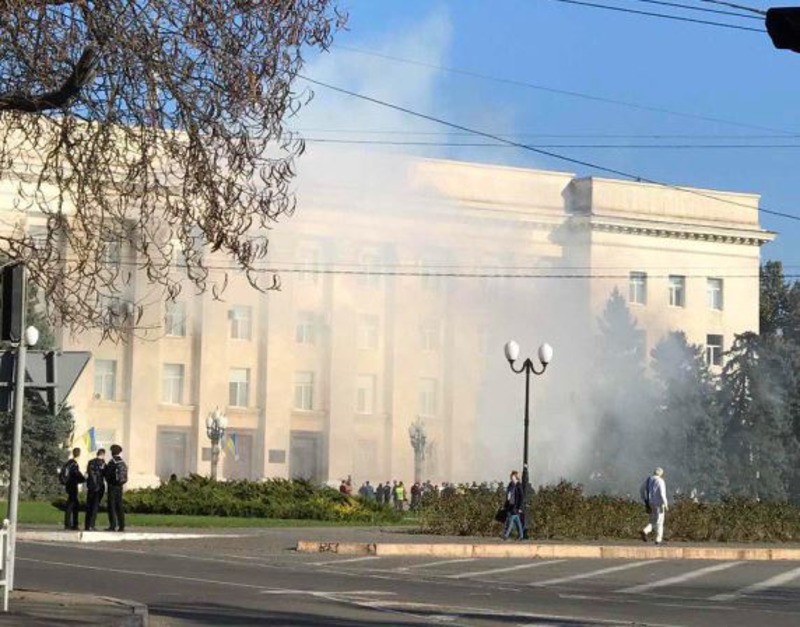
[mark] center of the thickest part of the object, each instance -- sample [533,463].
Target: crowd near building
[395,305]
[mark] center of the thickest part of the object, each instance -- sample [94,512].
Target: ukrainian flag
[86,442]
[232,445]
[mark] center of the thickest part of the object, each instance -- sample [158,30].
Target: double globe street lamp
[216,423]
[545,357]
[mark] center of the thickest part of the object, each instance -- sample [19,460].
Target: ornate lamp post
[545,357]
[418,439]
[216,423]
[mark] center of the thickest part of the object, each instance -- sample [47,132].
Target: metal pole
[16,446]
[525,475]
[214,457]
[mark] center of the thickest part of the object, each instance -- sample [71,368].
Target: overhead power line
[410,133]
[561,92]
[539,151]
[689,7]
[662,15]
[736,6]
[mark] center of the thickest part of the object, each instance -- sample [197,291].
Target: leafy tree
[689,422]
[774,294]
[136,134]
[757,413]
[623,402]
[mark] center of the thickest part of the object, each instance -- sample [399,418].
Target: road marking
[693,574]
[772,582]
[508,569]
[347,561]
[594,573]
[429,564]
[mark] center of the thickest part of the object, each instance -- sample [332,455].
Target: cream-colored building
[396,300]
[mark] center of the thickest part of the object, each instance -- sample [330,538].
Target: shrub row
[272,498]
[563,512]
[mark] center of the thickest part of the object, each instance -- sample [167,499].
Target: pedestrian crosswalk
[716,583]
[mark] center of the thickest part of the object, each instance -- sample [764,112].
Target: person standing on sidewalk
[514,504]
[70,476]
[116,477]
[95,487]
[654,495]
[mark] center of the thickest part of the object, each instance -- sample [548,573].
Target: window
[239,387]
[428,397]
[638,288]
[429,335]
[714,291]
[677,290]
[105,379]
[308,260]
[110,308]
[111,254]
[304,391]
[305,331]
[369,263]
[365,394]
[172,384]
[241,318]
[175,319]
[367,331]
[714,350]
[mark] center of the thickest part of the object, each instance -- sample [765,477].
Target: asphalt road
[250,581]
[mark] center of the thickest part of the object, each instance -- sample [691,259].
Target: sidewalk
[28,608]
[45,535]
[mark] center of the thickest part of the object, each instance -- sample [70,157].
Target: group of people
[98,476]
[653,493]
[394,493]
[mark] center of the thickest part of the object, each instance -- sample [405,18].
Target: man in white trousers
[654,495]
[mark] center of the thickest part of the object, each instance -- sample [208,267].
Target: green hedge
[564,512]
[272,498]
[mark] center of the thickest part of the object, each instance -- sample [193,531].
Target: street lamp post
[216,423]
[545,357]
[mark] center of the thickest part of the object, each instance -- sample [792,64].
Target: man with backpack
[654,495]
[70,476]
[116,476]
[95,487]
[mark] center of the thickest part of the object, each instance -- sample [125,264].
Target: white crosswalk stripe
[593,573]
[772,582]
[507,569]
[347,561]
[670,581]
[431,564]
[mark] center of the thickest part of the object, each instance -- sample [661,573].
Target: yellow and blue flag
[232,445]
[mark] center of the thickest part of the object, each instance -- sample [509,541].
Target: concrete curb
[112,536]
[549,551]
[36,607]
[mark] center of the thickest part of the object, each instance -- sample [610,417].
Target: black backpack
[119,471]
[66,472]
[94,475]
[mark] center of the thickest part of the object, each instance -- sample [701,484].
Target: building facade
[395,305]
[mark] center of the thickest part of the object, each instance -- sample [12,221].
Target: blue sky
[693,69]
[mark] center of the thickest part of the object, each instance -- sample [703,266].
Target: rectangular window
[239,387]
[105,379]
[241,318]
[304,391]
[367,332]
[637,292]
[429,335]
[428,397]
[308,260]
[112,254]
[714,291]
[172,384]
[714,350]
[175,319]
[677,290]
[365,394]
[369,269]
[305,331]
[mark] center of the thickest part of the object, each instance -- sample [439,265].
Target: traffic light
[11,319]
[783,26]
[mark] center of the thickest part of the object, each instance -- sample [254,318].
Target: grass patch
[44,513]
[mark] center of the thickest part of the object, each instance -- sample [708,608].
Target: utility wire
[690,7]
[736,6]
[546,153]
[346,131]
[661,15]
[560,92]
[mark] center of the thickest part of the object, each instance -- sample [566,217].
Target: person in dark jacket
[95,487]
[73,477]
[116,477]
[514,505]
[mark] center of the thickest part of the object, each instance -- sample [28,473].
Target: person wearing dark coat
[514,505]
[73,478]
[95,487]
[116,478]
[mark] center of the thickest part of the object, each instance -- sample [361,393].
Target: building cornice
[672,230]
